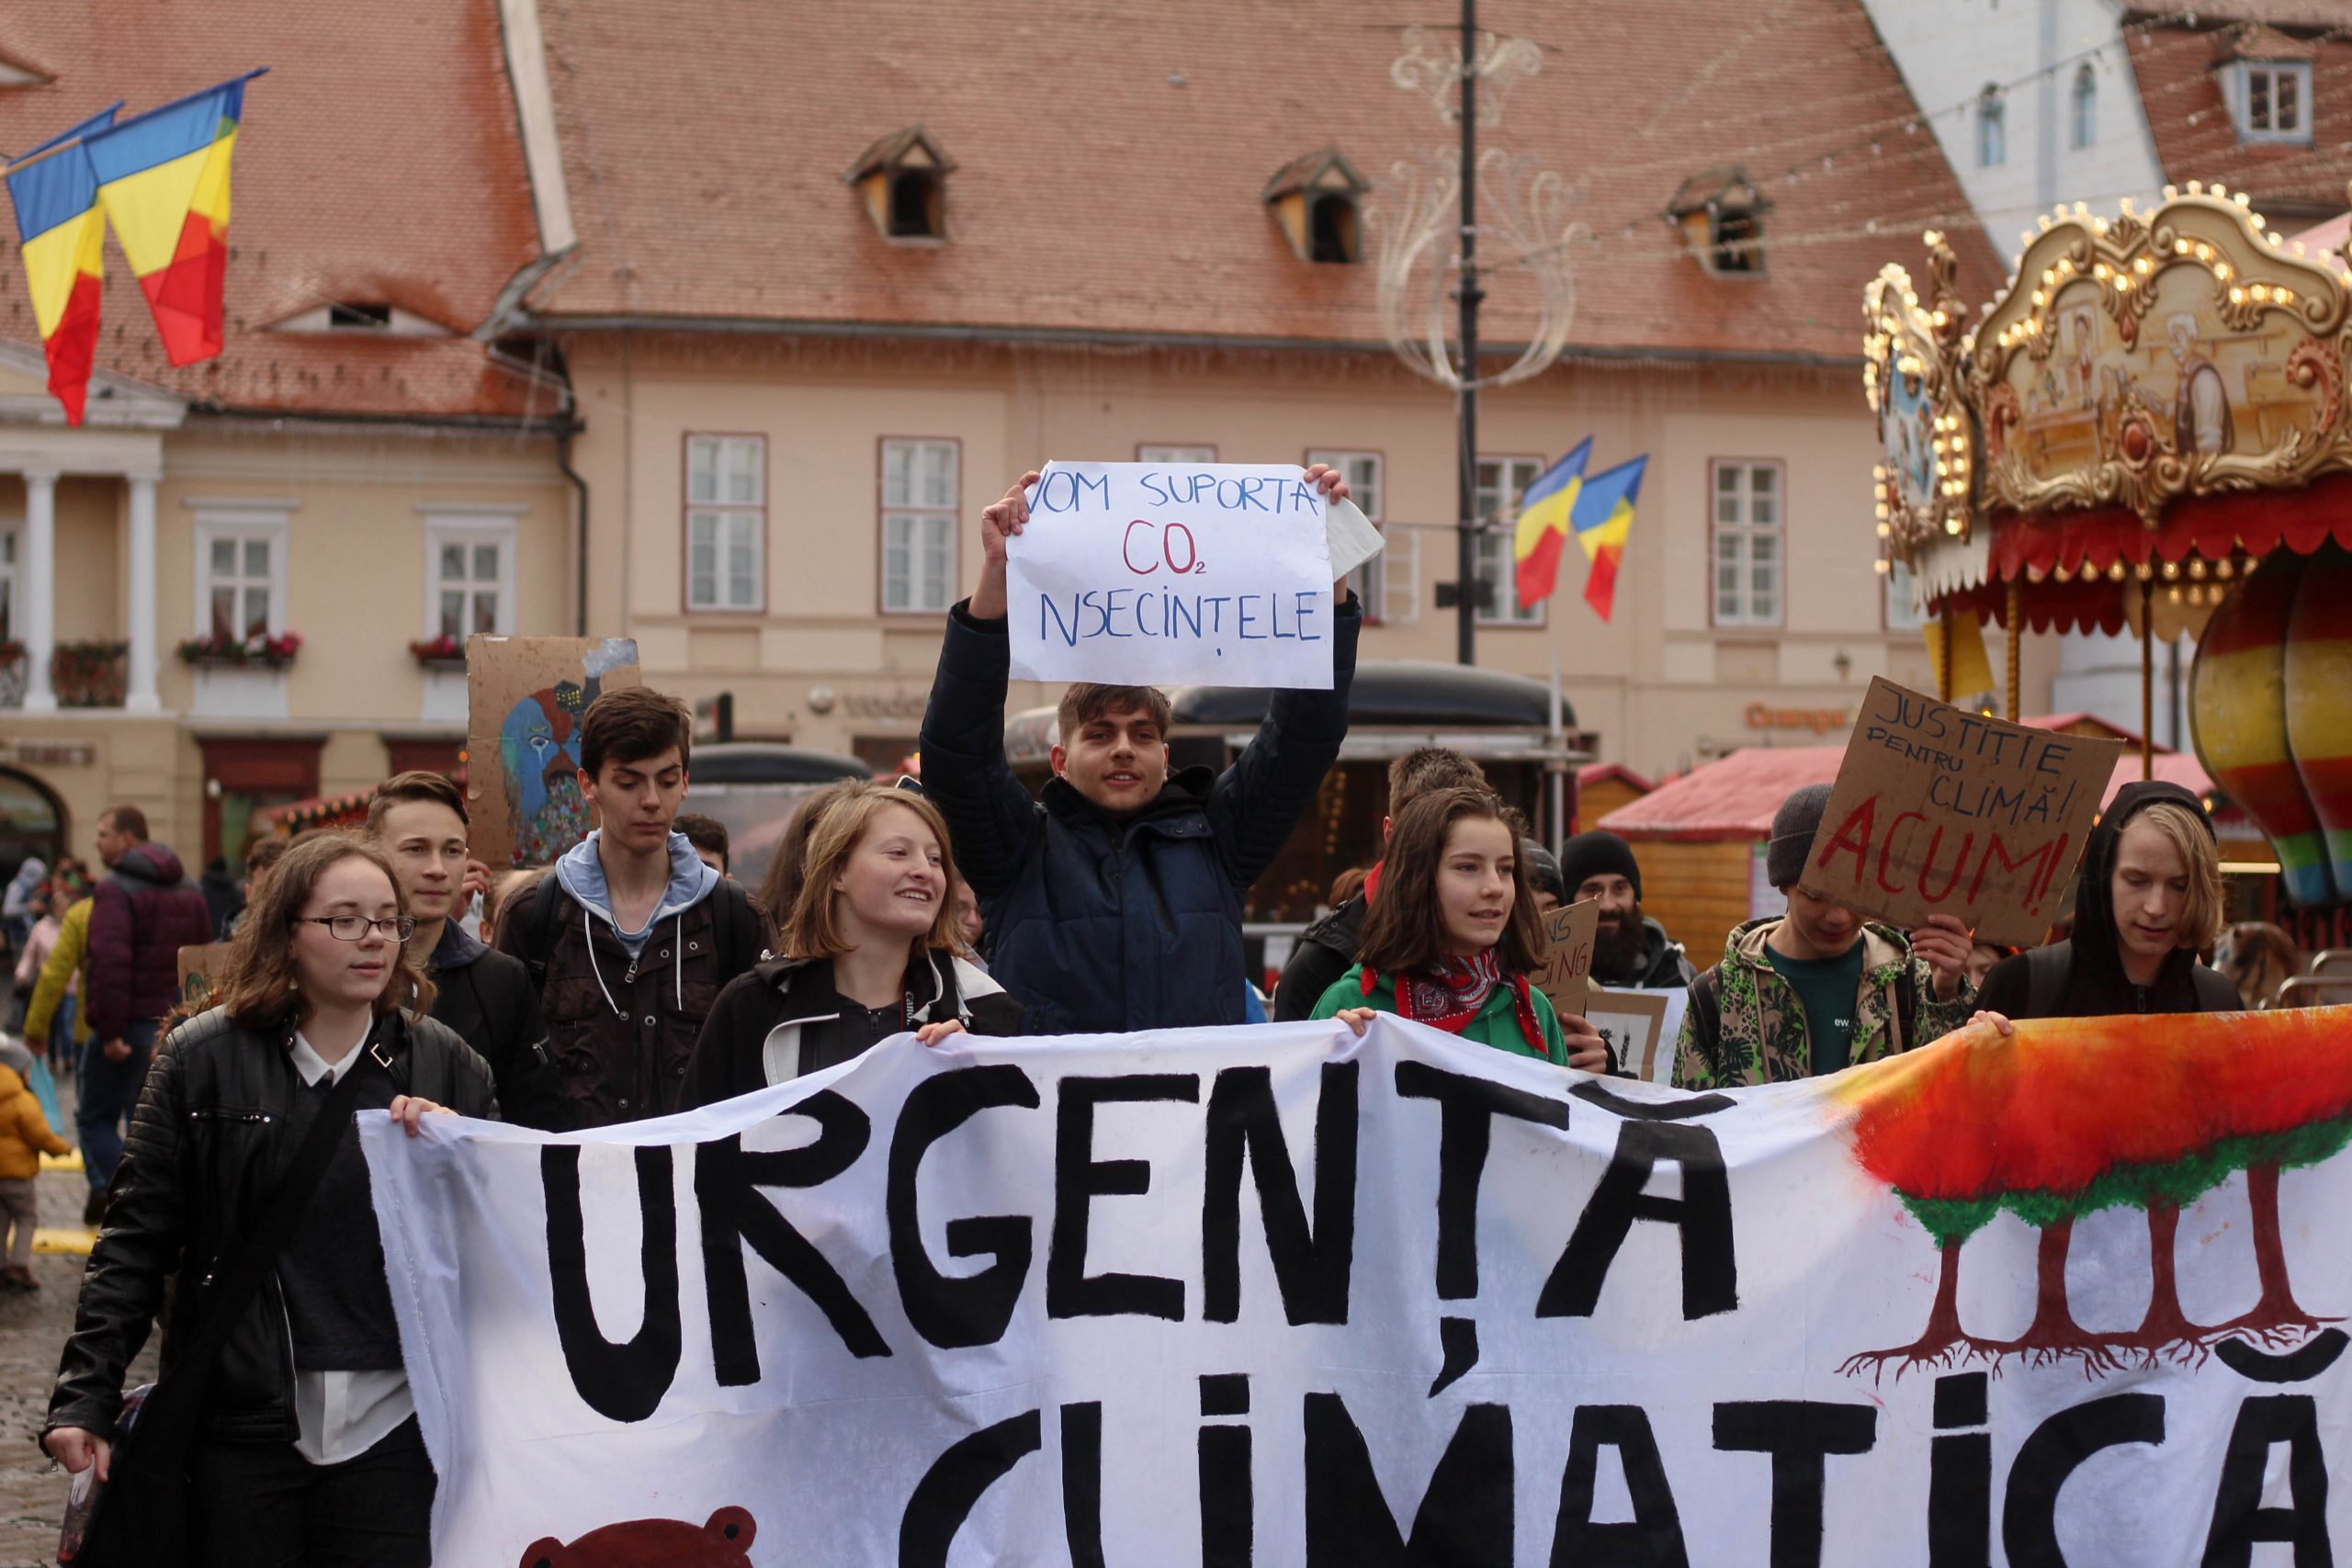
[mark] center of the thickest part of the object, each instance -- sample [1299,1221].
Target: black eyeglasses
[353,928]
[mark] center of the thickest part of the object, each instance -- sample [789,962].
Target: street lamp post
[1423,206]
[1468,294]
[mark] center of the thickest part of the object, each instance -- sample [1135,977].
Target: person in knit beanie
[1629,950]
[1818,988]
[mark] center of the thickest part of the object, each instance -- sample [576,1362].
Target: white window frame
[2241,77]
[1172,455]
[1991,128]
[725,515]
[1903,618]
[1498,506]
[2082,106]
[1743,530]
[1367,477]
[468,526]
[913,512]
[240,521]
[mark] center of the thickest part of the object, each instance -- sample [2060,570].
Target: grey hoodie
[581,874]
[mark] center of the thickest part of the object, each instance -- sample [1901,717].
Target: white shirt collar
[313,1066]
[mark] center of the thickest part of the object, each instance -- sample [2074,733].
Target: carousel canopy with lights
[2147,428]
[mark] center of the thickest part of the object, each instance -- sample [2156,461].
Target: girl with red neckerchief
[1453,938]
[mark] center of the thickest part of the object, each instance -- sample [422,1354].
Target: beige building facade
[152,526]
[827,636]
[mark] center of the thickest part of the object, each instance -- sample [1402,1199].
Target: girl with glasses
[306,1445]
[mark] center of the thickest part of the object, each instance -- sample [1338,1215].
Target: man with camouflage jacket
[1819,989]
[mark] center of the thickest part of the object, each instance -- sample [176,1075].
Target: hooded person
[1630,952]
[631,939]
[2147,898]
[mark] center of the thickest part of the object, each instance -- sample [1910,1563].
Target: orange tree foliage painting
[2068,1116]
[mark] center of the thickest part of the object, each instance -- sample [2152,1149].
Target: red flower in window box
[443,653]
[269,652]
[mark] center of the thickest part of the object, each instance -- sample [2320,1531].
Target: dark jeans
[108,1092]
[264,1505]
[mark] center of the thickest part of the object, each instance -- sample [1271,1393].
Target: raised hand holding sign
[1152,574]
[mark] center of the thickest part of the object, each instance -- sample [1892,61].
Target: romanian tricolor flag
[62,233]
[164,178]
[1603,517]
[1543,510]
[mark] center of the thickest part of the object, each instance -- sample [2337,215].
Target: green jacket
[70,955]
[1497,1023]
[1745,1025]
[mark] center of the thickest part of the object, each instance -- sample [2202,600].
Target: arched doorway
[32,822]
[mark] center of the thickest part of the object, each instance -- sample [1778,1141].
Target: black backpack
[735,933]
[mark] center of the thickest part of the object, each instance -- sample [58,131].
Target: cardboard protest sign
[969,1304]
[1939,810]
[1161,574]
[1568,934]
[1640,1026]
[524,696]
[198,966]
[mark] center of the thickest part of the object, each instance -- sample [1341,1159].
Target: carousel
[2146,430]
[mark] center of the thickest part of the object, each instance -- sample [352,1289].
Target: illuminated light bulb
[1882,509]
[2039,299]
[2099,271]
[2222,272]
[2065,574]
[2197,187]
[2115,572]
[2173,594]
[2171,192]
[1951,526]
[1940,318]
[2204,251]
[2142,267]
[2298,247]
[2181,247]
[2283,296]
[2197,568]
[2258,293]
[2225,570]
[2044,222]
[2065,267]
[2123,283]
[1883,530]
[1879,567]
[2142,572]
[2099,225]
[2172,570]
[2237,296]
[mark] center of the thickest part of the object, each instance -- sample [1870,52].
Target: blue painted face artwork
[538,754]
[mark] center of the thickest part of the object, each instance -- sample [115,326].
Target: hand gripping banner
[1279,1295]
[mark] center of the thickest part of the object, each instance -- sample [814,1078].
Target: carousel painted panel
[2136,360]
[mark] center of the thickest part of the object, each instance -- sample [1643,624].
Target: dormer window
[902,180]
[1721,219]
[1318,203]
[377,317]
[2267,77]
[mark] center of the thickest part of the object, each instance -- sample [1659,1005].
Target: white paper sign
[1130,1300]
[1163,574]
[1642,1026]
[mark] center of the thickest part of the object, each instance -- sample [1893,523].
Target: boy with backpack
[631,937]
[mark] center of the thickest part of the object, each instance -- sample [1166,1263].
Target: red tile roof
[1111,158]
[2179,69]
[379,161]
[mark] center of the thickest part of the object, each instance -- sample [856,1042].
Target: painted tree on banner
[2070,1116]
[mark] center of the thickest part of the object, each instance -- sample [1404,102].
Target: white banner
[1161,574]
[1277,1295]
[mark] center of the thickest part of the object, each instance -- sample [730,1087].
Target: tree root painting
[2066,1118]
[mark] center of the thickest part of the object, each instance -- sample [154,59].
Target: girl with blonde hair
[867,951]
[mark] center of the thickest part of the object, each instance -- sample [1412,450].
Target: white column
[40,589]
[141,631]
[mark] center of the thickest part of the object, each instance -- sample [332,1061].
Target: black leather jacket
[207,1146]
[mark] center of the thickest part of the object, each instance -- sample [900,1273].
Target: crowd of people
[388,968]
